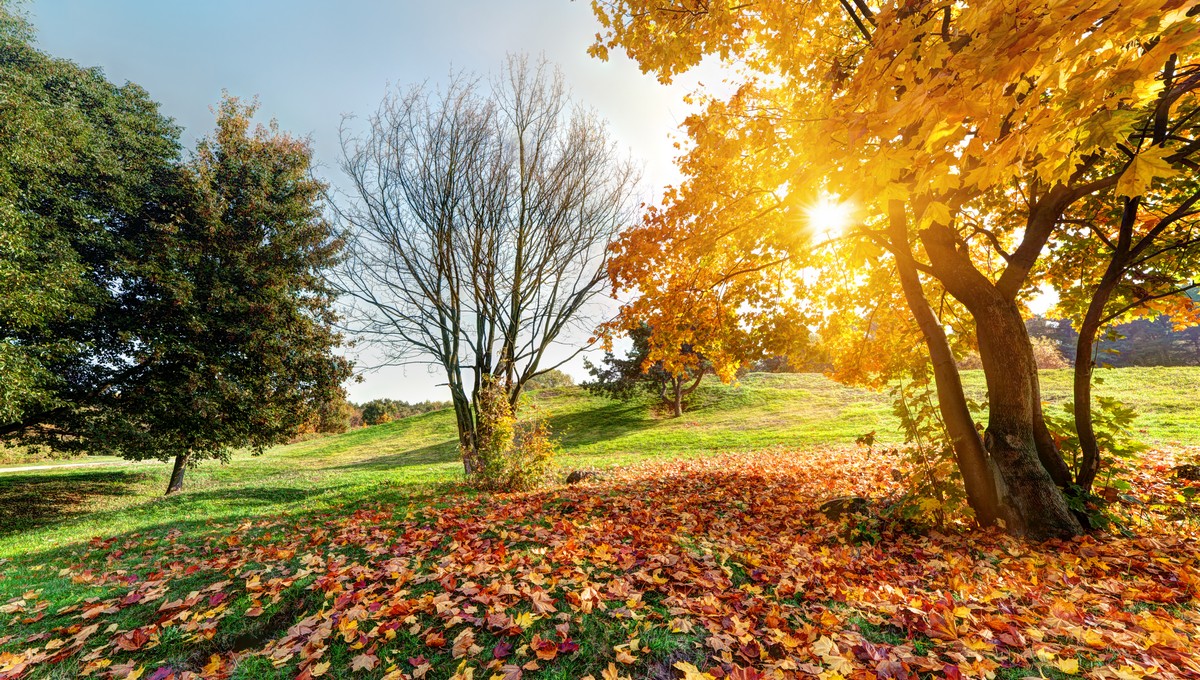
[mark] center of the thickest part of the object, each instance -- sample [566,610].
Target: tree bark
[1089,448]
[1032,504]
[464,417]
[176,483]
[1048,453]
[977,470]
[677,402]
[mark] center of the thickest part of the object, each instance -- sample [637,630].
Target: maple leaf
[1068,666]
[365,661]
[545,650]
[690,672]
[1147,166]
[502,650]
[214,665]
[463,672]
[542,603]
[318,669]
[463,643]
[133,640]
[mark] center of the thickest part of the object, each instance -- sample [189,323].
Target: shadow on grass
[252,495]
[613,420]
[433,454]
[31,501]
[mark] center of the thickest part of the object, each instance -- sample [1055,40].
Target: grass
[48,517]
[50,508]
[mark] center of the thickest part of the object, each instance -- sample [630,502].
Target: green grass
[50,508]
[47,517]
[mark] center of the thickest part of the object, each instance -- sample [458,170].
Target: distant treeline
[1142,342]
[379,411]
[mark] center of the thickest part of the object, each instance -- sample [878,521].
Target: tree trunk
[465,420]
[1048,453]
[677,403]
[1089,448]
[176,483]
[978,472]
[1032,504]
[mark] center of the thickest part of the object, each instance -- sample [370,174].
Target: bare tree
[478,225]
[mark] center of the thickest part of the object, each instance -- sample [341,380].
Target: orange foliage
[730,551]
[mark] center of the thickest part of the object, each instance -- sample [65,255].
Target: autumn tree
[1133,251]
[479,220]
[625,378]
[933,119]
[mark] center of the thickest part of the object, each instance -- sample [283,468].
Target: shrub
[509,455]
[550,379]
[1046,353]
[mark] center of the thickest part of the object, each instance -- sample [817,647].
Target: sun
[829,216]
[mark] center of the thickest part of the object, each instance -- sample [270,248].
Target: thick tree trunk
[465,420]
[1032,504]
[977,470]
[1048,453]
[176,483]
[677,401]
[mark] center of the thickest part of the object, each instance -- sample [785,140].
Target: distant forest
[1142,342]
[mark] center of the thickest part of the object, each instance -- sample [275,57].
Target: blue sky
[310,62]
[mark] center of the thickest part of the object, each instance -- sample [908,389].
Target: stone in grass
[578,476]
[847,505]
[1189,472]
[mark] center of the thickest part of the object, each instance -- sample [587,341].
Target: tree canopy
[154,307]
[963,135]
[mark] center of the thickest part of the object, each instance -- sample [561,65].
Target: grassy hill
[73,539]
[57,507]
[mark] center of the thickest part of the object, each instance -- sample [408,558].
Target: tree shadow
[255,495]
[29,501]
[445,452]
[613,420]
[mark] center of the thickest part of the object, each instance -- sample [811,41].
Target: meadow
[697,546]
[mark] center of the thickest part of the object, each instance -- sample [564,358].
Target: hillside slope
[762,411]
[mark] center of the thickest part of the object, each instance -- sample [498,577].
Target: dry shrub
[1046,353]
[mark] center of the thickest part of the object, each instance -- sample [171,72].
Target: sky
[311,62]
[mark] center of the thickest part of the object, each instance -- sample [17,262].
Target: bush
[1046,353]
[549,379]
[380,411]
[509,455]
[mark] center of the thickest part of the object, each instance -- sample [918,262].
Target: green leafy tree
[159,309]
[623,379]
[83,163]
[233,315]
[549,380]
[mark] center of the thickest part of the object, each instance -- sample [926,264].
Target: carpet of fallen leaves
[704,568]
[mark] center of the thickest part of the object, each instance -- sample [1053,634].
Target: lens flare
[829,217]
